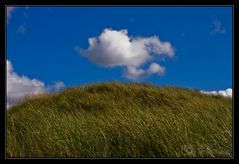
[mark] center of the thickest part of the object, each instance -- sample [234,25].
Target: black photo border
[201,3]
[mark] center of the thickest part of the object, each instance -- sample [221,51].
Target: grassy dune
[121,120]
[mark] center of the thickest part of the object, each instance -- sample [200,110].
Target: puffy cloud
[225,93]
[135,73]
[18,87]
[9,12]
[156,68]
[115,48]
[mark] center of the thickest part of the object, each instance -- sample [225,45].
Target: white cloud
[10,10]
[217,27]
[225,93]
[156,68]
[135,73]
[56,87]
[18,87]
[115,48]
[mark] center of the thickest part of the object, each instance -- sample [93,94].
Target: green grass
[121,120]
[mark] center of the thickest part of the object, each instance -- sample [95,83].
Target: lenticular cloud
[116,49]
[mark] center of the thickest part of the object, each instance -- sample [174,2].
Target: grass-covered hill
[121,120]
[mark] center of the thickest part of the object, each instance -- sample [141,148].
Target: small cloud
[114,48]
[156,68]
[217,27]
[225,93]
[134,73]
[57,86]
[22,29]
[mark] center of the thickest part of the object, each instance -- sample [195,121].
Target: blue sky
[42,41]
